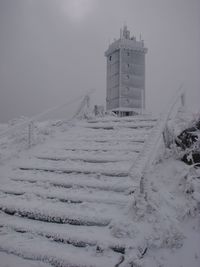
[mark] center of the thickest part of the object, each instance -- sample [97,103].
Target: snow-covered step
[104,149]
[54,212]
[123,136]
[116,184]
[121,133]
[116,146]
[101,146]
[88,159]
[89,155]
[105,140]
[81,236]
[83,169]
[121,119]
[67,202]
[104,144]
[9,260]
[80,166]
[112,125]
[69,195]
[118,133]
[115,164]
[29,246]
[117,120]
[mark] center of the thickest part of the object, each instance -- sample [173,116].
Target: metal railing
[141,167]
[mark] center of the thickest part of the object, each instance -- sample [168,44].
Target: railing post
[88,101]
[30,134]
[183,99]
[142,185]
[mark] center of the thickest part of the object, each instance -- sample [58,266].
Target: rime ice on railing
[29,123]
[147,156]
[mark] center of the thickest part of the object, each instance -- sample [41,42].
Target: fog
[53,50]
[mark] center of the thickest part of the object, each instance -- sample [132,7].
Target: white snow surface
[69,199]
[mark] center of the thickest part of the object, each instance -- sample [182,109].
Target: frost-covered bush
[182,137]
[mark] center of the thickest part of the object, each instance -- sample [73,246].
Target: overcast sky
[53,50]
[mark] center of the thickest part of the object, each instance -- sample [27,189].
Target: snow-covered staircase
[66,204]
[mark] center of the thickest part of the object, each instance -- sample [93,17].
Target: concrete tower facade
[126,75]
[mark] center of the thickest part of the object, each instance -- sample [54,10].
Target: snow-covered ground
[69,200]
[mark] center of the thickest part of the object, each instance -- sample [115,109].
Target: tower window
[110,58]
[128,65]
[128,54]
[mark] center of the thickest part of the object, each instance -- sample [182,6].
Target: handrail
[28,123]
[149,152]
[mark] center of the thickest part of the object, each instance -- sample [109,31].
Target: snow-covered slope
[71,201]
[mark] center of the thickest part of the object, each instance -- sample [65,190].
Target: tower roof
[127,42]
